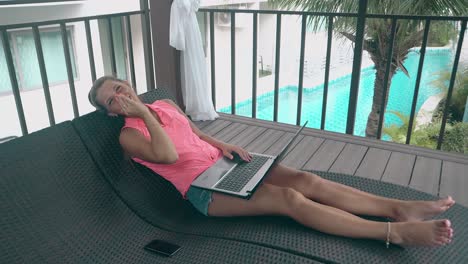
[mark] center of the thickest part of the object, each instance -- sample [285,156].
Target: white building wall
[34,101]
[33,13]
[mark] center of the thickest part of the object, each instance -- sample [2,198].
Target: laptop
[240,179]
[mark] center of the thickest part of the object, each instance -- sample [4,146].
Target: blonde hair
[94,89]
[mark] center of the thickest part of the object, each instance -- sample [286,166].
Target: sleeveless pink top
[195,155]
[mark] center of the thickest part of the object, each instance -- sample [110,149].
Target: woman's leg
[353,200]
[273,200]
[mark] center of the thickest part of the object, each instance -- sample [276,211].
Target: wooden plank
[215,127]
[454,181]
[264,141]
[399,168]
[298,156]
[426,175]
[247,136]
[277,146]
[202,124]
[391,146]
[325,156]
[373,164]
[349,159]
[230,132]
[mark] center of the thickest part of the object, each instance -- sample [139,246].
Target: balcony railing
[361,17]
[35,27]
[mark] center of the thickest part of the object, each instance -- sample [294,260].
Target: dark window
[25,59]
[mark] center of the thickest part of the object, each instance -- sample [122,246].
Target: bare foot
[422,210]
[427,233]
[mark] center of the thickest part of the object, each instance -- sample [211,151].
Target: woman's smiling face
[106,96]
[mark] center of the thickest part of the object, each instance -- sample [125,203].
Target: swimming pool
[400,97]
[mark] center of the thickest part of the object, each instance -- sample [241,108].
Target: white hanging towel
[186,37]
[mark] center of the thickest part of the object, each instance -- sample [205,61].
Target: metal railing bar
[416,17]
[301,70]
[277,66]
[130,52]
[212,60]
[111,47]
[233,62]
[418,80]
[89,41]
[14,82]
[147,45]
[335,14]
[386,78]
[356,73]
[327,72]
[254,65]
[42,69]
[451,85]
[23,2]
[277,12]
[71,79]
[71,20]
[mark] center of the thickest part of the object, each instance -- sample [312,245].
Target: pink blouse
[195,155]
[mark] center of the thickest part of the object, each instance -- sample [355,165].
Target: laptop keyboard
[241,174]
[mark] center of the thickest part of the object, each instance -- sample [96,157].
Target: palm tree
[409,33]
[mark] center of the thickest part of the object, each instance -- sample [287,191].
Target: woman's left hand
[228,148]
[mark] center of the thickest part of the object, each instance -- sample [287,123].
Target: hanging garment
[186,37]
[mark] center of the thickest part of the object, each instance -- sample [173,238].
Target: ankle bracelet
[387,243]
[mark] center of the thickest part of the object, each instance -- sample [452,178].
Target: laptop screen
[285,149]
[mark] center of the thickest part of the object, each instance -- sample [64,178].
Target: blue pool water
[400,97]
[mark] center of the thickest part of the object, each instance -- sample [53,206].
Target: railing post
[418,81]
[387,75]
[147,45]
[451,85]
[353,95]
[254,64]
[90,50]
[212,59]
[233,62]
[277,66]
[327,73]
[42,69]
[130,52]
[71,76]
[14,82]
[111,47]
[301,70]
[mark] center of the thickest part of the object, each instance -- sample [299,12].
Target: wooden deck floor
[435,172]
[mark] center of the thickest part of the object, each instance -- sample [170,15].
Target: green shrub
[457,105]
[456,138]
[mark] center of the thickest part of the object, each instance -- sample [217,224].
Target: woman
[161,137]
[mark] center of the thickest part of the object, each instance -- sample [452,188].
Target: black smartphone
[162,247]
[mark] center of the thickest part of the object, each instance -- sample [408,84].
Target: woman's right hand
[130,107]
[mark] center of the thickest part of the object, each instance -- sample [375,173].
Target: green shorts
[200,199]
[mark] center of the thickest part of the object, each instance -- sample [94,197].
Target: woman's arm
[160,149]
[225,147]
